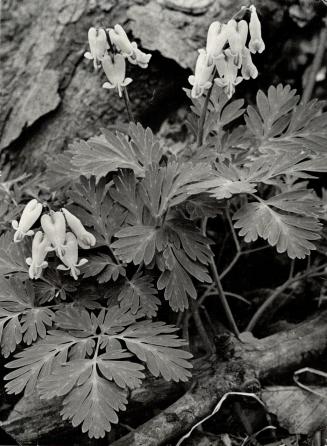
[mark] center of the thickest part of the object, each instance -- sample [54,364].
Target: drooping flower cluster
[226,53]
[54,238]
[110,48]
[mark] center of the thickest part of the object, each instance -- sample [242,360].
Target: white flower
[54,226]
[227,71]
[248,67]
[216,40]
[84,238]
[31,213]
[119,38]
[98,45]
[243,30]
[201,79]
[139,57]
[256,43]
[237,35]
[40,249]
[70,257]
[115,70]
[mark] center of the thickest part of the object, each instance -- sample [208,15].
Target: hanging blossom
[256,43]
[40,248]
[201,80]
[54,226]
[227,70]
[84,238]
[216,40]
[54,238]
[70,256]
[30,215]
[115,69]
[98,46]
[127,48]
[111,48]
[226,53]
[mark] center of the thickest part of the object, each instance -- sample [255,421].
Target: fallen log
[276,354]
[236,368]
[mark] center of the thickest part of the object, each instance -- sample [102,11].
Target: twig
[266,304]
[316,64]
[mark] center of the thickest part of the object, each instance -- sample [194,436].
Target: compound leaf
[153,343]
[102,266]
[292,232]
[96,209]
[138,294]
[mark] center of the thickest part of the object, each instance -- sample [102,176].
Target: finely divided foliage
[90,340]
[93,360]
[144,208]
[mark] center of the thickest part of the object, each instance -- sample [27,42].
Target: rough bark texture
[212,378]
[51,94]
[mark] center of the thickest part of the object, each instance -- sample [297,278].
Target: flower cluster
[54,238]
[226,53]
[110,48]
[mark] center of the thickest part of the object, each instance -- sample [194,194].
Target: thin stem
[291,273]
[200,327]
[235,238]
[316,64]
[266,304]
[204,113]
[230,266]
[221,293]
[223,299]
[128,105]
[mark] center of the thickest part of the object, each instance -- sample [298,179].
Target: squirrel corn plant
[127,228]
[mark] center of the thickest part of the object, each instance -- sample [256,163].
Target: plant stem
[204,113]
[200,327]
[223,299]
[316,64]
[128,105]
[266,304]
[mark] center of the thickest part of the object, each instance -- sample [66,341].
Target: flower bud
[119,38]
[70,257]
[201,78]
[256,43]
[84,238]
[40,249]
[54,226]
[98,45]
[248,68]
[115,71]
[31,213]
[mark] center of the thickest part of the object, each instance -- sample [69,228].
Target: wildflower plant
[128,228]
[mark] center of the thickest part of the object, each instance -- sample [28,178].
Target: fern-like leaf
[93,205]
[284,221]
[154,343]
[113,151]
[103,267]
[138,294]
